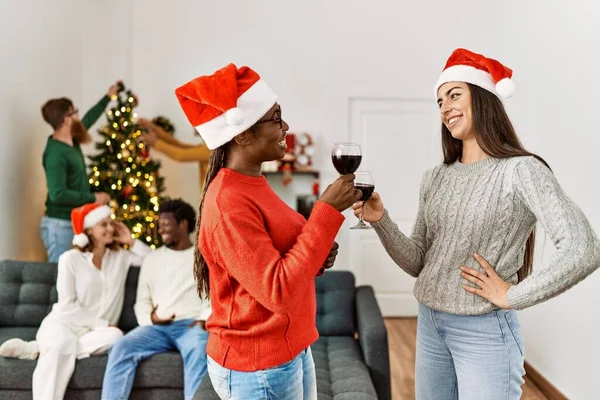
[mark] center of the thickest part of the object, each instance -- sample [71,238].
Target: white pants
[60,345]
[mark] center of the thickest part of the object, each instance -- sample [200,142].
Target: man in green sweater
[66,175]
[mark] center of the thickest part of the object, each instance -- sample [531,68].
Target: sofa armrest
[372,336]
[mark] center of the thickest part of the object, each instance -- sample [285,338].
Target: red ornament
[144,153]
[127,190]
[290,141]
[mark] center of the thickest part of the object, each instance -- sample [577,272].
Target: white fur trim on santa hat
[251,106]
[81,240]
[465,73]
[505,87]
[96,215]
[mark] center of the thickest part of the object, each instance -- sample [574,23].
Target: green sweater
[66,175]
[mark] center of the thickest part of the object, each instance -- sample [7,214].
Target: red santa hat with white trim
[223,105]
[487,73]
[85,217]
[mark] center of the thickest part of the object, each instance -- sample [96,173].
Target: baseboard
[549,390]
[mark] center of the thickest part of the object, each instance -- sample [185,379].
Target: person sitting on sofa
[168,309]
[91,289]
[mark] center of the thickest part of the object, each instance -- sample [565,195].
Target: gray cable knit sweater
[490,207]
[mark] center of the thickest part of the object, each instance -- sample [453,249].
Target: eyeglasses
[277,119]
[75,111]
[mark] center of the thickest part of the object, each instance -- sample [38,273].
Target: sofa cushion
[159,371]
[128,321]
[27,292]
[335,303]
[20,370]
[341,372]
[26,333]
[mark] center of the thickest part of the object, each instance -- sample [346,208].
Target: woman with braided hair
[257,257]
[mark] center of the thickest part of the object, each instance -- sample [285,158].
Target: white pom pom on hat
[81,240]
[505,87]
[234,116]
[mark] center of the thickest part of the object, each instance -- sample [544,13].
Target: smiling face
[102,233]
[269,136]
[456,112]
[171,231]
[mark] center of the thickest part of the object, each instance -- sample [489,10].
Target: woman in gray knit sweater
[472,244]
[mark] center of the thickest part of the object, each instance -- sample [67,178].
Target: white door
[400,140]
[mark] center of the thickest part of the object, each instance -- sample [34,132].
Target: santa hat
[85,217]
[223,105]
[487,73]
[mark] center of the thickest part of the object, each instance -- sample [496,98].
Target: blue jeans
[293,380]
[468,357]
[57,235]
[145,341]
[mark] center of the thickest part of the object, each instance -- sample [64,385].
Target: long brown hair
[496,136]
[216,161]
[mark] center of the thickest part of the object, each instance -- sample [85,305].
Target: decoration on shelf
[298,158]
[304,150]
[287,162]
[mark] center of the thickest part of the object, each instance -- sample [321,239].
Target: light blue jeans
[57,235]
[145,341]
[293,380]
[468,357]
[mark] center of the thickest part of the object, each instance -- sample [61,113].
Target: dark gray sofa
[351,356]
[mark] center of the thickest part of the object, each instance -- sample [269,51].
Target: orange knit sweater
[262,258]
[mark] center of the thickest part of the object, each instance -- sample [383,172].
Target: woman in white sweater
[91,288]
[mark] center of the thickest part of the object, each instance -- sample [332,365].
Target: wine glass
[366,184]
[346,157]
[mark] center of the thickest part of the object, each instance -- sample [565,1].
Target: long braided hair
[215,163]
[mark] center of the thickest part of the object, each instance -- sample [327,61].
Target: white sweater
[90,297]
[167,281]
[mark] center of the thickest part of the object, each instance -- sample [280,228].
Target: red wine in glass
[366,189]
[346,164]
[366,184]
[346,157]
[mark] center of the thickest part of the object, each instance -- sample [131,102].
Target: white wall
[41,58]
[316,55]
[555,108]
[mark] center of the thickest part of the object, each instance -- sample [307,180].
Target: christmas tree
[124,170]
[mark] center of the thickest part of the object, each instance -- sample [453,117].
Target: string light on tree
[123,168]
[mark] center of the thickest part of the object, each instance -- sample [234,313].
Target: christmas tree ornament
[165,124]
